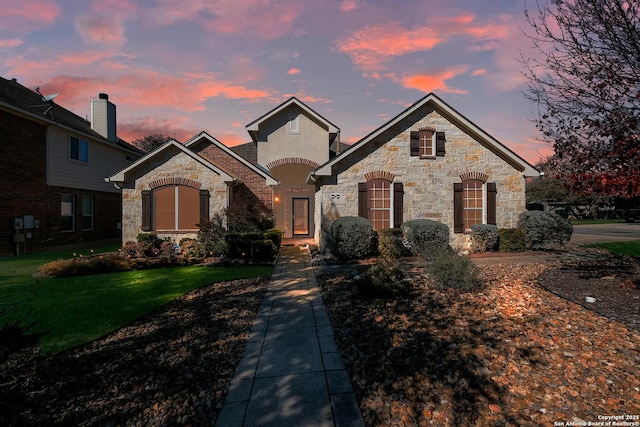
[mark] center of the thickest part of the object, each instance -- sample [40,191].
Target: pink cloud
[143,126]
[101,29]
[245,69]
[293,71]
[10,43]
[114,6]
[479,72]
[349,5]
[28,14]
[252,18]
[435,81]
[372,46]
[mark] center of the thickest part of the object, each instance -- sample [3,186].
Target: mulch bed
[171,367]
[512,353]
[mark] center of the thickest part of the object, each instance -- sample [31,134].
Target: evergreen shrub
[390,244]
[511,240]
[544,230]
[383,280]
[354,237]
[425,237]
[449,270]
[484,237]
[262,250]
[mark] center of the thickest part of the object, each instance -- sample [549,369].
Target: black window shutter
[363,209]
[146,210]
[491,203]
[398,204]
[458,219]
[414,143]
[204,206]
[440,142]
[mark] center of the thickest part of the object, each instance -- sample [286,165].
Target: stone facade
[428,182]
[172,164]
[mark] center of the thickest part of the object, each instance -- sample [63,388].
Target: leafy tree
[584,74]
[150,142]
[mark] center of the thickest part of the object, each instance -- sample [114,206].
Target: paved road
[597,233]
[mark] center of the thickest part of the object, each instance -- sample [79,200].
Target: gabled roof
[121,176]
[24,101]
[455,117]
[194,140]
[254,126]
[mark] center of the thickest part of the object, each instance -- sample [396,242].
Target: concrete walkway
[291,373]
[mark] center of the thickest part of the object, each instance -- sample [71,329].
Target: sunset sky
[180,67]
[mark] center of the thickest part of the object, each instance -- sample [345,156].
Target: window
[78,150]
[380,202]
[87,213]
[426,143]
[176,207]
[293,126]
[472,203]
[67,212]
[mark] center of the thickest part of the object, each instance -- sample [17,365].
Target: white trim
[120,176]
[198,137]
[458,119]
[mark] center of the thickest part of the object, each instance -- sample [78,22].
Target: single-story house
[427,162]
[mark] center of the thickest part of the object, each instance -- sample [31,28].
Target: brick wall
[24,190]
[255,183]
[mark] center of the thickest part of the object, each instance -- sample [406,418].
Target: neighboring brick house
[427,162]
[53,165]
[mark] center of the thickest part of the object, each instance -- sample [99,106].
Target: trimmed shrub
[449,270]
[383,280]
[238,245]
[211,235]
[511,240]
[354,237]
[484,237]
[544,230]
[262,250]
[108,263]
[275,235]
[425,237]
[390,244]
[192,248]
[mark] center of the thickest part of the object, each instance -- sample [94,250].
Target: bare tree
[150,142]
[584,74]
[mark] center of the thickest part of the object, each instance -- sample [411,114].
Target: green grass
[629,247]
[75,310]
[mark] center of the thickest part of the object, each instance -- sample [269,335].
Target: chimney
[103,117]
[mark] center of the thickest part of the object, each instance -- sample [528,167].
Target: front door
[300,216]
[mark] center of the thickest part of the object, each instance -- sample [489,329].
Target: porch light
[276,199]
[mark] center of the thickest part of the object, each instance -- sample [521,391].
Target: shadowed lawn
[74,310]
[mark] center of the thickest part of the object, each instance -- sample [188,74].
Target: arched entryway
[293,199]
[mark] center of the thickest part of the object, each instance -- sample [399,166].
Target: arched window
[174,207]
[474,202]
[380,202]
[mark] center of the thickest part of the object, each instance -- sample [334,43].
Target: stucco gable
[172,145]
[450,114]
[254,127]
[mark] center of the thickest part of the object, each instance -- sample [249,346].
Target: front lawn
[70,311]
[629,247]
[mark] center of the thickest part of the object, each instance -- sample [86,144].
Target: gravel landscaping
[518,352]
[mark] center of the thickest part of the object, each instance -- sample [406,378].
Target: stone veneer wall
[428,183]
[168,165]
